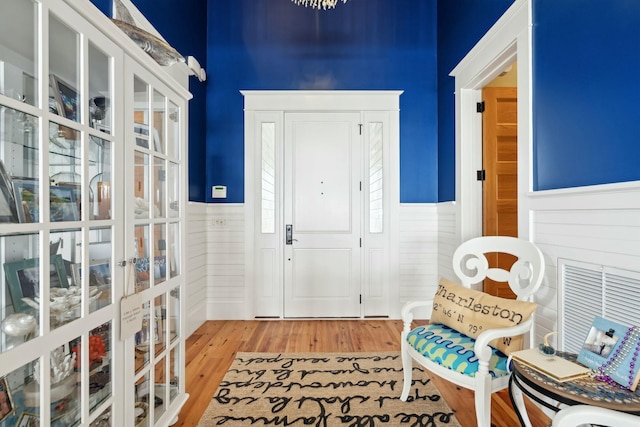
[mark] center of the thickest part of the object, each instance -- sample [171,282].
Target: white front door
[322,206]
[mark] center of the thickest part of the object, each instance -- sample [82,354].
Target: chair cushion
[453,350]
[473,312]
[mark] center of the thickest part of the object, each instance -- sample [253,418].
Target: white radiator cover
[589,290]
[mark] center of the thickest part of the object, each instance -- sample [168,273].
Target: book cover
[611,349]
[556,367]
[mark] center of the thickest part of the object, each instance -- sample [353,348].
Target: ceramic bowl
[18,324]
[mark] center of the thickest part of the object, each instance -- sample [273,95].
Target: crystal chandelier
[318,4]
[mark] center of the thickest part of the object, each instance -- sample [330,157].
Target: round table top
[585,390]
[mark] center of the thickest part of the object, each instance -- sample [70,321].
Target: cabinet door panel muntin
[100,93]
[159,118]
[65,294]
[12,403]
[64,69]
[174,315]
[160,254]
[101,374]
[142,415]
[19,35]
[159,324]
[175,361]
[21,285]
[143,339]
[100,164]
[173,190]
[156,169]
[142,256]
[141,185]
[98,288]
[174,255]
[68,391]
[173,131]
[160,187]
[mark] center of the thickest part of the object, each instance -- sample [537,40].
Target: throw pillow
[472,312]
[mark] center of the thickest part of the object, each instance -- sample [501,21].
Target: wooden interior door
[500,162]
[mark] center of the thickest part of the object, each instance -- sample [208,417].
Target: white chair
[471,266]
[578,415]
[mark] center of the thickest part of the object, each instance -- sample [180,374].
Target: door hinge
[480,107]
[481,175]
[361,242]
[360,128]
[360,298]
[360,185]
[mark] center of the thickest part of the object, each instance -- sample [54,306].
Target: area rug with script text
[324,389]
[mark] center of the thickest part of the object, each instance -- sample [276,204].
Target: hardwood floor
[212,348]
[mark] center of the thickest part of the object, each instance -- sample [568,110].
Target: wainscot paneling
[225,290]
[448,239]
[418,252]
[226,293]
[197,271]
[598,225]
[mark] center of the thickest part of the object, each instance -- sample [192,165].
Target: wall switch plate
[219,192]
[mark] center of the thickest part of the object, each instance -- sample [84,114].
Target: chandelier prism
[318,4]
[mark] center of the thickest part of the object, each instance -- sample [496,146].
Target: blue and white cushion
[453,350]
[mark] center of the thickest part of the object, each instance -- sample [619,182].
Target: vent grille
[590,290]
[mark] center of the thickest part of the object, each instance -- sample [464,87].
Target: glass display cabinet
[91,210]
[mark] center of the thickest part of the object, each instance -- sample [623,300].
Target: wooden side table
[552,395]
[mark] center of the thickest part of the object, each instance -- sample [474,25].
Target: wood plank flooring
[211,349]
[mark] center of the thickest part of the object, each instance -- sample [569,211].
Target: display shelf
[67,209]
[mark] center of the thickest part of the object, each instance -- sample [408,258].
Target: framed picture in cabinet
[62,201]
[66,97]
[8,207]
[99,273]
[142,136]
[23,281]
[27,199]
[27,419]
[6,401]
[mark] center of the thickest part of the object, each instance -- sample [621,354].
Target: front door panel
[323,205]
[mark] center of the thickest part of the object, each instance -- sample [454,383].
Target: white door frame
[507,41]
[275,103]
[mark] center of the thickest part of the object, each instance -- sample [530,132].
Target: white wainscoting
[448,239]
[598,225]
[197,268]
[225,291]
[418,247]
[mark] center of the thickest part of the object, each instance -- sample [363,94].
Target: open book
[556,367]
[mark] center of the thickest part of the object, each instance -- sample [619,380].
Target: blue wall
[585,58]
[360,45]
[586,87]
[104,6]
[586,123]
[461,24]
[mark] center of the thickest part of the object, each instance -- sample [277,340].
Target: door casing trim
[320,101]
[507,41]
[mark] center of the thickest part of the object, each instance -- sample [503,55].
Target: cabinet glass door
[155,138]
[57,228]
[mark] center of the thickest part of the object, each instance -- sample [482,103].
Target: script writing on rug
[324,389]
